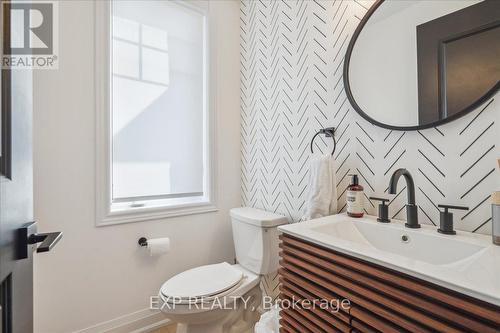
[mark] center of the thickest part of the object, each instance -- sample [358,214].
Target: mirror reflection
[442,62]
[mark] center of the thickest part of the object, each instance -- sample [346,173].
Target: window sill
[154,213]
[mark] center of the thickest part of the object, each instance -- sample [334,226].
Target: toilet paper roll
[158,246]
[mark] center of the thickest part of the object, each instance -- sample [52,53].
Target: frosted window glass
[125,59]
[125,29]
[155,66]
[158,100]
[154,37]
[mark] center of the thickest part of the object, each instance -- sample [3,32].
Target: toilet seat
[185,307]
[202,283]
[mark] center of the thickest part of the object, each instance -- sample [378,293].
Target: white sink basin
[432,248]
[466,262]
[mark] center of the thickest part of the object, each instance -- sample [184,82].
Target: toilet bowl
[225,298]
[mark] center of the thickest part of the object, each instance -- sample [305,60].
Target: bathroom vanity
[396,279]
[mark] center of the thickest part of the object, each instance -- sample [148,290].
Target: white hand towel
[322,195]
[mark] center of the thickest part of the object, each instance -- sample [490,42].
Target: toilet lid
[203,281]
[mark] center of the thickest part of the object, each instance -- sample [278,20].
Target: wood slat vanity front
[381,299]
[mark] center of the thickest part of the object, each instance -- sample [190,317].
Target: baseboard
[142,321]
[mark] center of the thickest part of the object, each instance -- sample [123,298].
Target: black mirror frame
[358,109]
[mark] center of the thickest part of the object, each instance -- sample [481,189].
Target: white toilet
[224,298]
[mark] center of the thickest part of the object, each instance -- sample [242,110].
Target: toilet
[225,298]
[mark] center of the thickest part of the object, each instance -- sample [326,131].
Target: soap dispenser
[354,198]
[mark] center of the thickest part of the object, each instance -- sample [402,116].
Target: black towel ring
[329,132]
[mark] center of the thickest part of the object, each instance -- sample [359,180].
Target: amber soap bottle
[354,198]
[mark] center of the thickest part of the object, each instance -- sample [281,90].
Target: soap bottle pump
[354,198]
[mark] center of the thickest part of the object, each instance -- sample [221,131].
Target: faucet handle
[383,210]
[446,207]
[446,219]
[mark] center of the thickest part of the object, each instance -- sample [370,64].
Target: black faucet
[411,207]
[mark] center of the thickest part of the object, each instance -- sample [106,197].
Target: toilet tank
[255,235]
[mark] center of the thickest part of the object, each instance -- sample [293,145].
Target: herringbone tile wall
[291,85]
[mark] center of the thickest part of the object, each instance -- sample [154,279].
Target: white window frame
[103,194]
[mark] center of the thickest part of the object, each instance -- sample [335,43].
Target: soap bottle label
[354,202]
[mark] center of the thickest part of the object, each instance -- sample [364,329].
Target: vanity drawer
[381,299]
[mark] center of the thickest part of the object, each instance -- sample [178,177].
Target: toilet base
[240,320]
[241,327]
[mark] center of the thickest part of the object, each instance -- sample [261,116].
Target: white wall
[97,274]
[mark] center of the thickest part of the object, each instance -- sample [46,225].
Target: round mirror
[418,64]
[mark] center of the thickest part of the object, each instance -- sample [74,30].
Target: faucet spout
[411,207]
[410,184]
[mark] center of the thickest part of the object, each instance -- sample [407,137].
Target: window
[154,115]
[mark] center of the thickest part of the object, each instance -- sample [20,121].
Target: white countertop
[477,275]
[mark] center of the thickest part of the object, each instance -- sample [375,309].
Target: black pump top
[354,180]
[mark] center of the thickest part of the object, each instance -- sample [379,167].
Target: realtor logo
[31,39]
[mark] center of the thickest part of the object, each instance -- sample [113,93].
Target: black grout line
[368,135]
[477,161]
[318,17]
[368,199]
[367,166]
[399,211]
[343,132]
[302,192]
[432,202]
[342,179]
[388,135]
[366,180]
[341,194]
[334,45]
[394,145]
[343,117]
[479,182]
[340,108]
[396,196]
[341,150]
[437,129]
[368,151]
[339,20]
[428,160]
[341,48]
[360,4]
[342,164]
[316,2]
[470,123]
[429,141]
[475,140]
[430,181]
[482,224]
[423,211]
[396,161]
[476,207]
